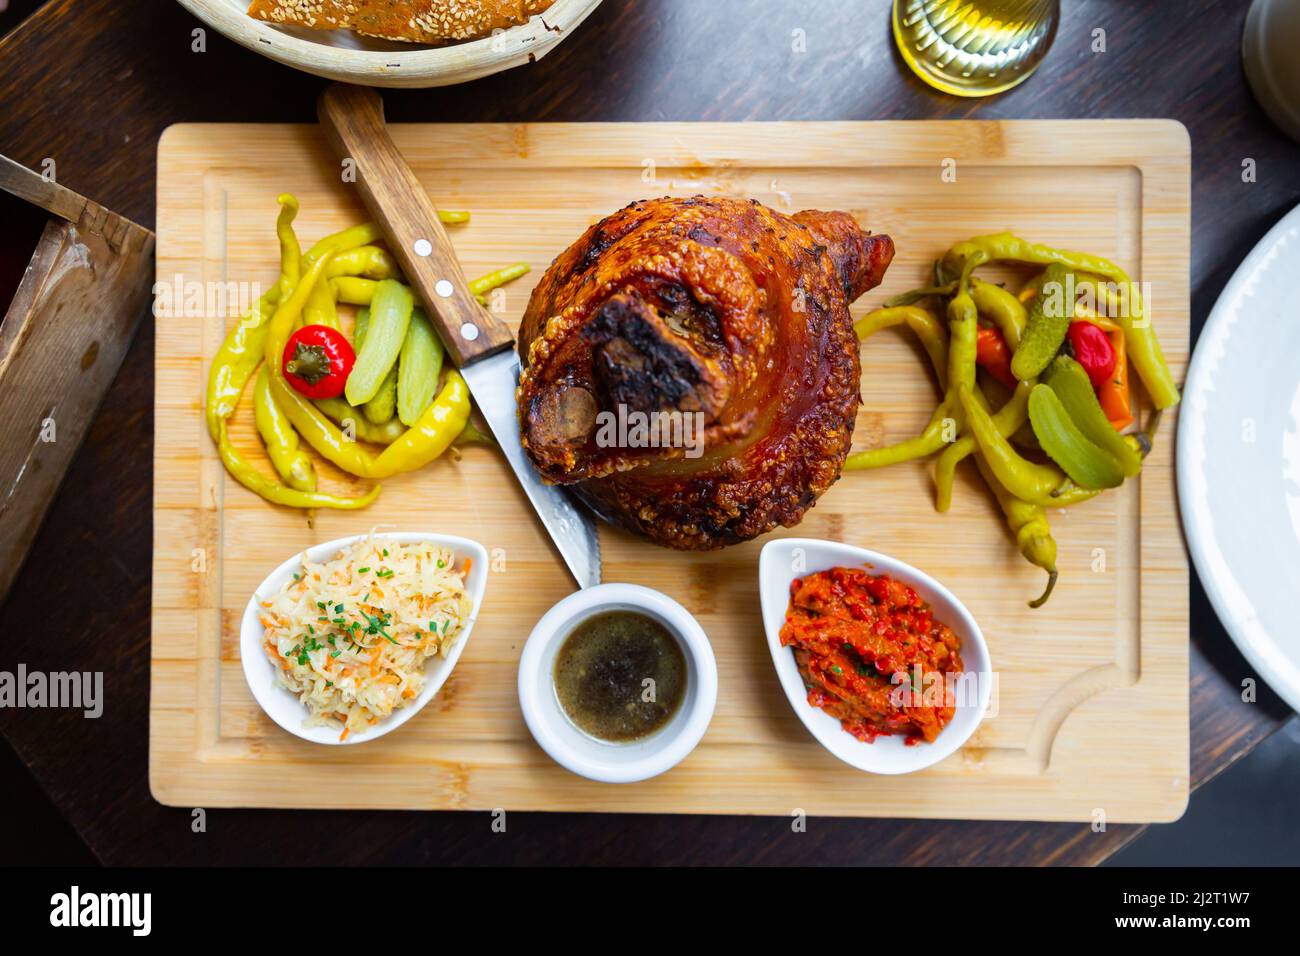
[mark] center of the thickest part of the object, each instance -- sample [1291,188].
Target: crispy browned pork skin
[718,312]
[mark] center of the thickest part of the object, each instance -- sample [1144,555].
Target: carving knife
[476,340]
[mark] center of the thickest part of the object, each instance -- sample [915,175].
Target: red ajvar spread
[859,640]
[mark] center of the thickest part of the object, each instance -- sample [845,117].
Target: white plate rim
[1261,651]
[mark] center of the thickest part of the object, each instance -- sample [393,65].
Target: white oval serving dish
[350,58]
[283,707]
[784,560]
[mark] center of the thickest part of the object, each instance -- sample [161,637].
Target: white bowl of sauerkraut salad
[348,640]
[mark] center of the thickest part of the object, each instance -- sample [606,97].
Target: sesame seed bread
[415,21]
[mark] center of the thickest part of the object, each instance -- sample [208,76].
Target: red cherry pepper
[1092,350]
[317,361]
[992,355]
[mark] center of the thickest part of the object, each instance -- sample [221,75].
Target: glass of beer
[974,47]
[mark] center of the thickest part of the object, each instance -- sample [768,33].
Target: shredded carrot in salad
[353,649]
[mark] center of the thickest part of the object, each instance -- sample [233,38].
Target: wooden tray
[1091,719]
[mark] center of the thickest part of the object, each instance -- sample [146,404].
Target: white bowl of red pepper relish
[875,628]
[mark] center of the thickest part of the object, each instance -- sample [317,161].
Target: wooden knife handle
[353,119]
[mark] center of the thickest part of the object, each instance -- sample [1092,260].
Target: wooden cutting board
[1091,717]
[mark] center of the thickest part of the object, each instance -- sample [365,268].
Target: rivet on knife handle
[353,119]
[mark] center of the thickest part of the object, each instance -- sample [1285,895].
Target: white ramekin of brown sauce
[618,683]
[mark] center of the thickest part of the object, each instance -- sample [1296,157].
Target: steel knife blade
[477,340]
[492,382]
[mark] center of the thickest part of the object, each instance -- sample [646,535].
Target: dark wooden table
[92,83]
